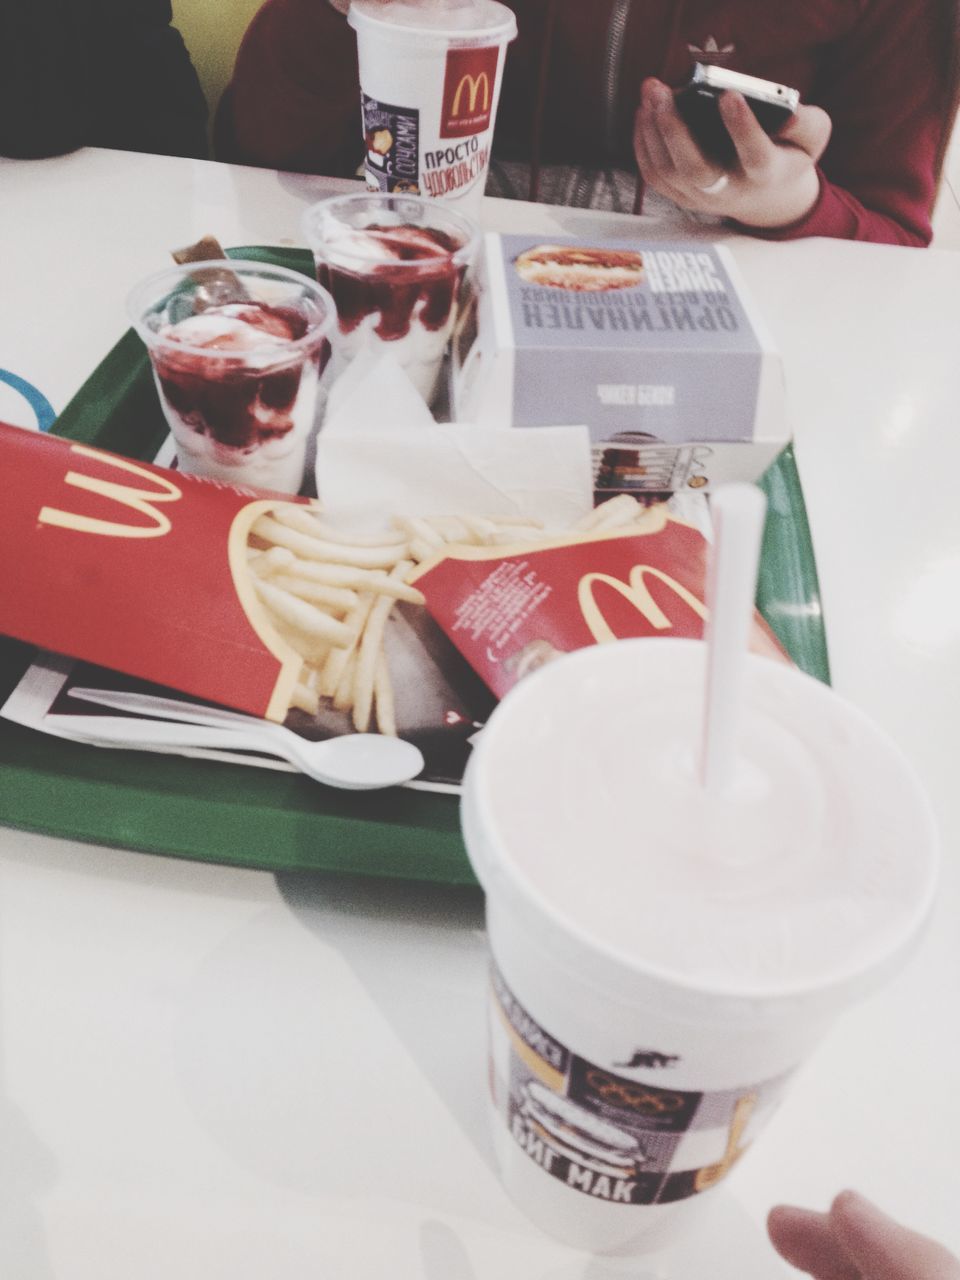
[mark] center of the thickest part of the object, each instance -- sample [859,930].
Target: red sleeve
[881,88]
[294,100]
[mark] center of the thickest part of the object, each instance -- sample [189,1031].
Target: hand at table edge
[854,1240]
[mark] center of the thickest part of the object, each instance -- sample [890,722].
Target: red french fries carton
[138,568]
[509,611]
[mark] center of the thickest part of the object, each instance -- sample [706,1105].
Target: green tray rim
[272,821]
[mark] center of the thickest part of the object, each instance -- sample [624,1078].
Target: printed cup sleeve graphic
[392,139]
[580,1134]
[714,1173]
[606,1135]
[648,1059]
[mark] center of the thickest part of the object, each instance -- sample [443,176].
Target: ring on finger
[714,188]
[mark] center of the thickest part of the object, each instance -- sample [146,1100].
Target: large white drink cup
[430,77]
[663,958]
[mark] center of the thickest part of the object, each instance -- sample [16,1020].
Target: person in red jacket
[587,102]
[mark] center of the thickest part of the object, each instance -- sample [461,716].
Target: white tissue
[373,394]
[382,454]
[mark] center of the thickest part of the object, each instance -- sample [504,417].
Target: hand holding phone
[698,105]
[766,185]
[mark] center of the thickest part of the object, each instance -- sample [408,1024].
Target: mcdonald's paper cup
[430,77]
[663,960]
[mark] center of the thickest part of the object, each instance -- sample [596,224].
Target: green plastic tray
[225,813]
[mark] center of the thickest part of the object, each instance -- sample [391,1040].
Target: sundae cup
[237,350]
[395,266]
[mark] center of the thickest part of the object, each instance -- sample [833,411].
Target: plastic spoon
[352,762]
[738,512]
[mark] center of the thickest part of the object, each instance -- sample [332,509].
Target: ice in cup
[396,268]
[663,959]
[237,350]
[430,77]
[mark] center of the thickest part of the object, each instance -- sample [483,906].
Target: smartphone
[699,107]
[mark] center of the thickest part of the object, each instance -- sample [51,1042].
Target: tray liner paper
[509,612]
[138,568]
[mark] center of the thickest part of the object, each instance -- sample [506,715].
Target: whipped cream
[237,328]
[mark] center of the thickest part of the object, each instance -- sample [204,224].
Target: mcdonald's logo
[140,500]
[473,86]
[468,89]
[637,593]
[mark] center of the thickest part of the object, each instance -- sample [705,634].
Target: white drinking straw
[738,512]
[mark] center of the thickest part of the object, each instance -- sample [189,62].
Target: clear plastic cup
[430,77]
[663,960]
[237,350]
[396,267]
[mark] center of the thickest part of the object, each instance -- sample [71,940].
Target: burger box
[656,347]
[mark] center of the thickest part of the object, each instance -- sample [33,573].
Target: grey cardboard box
[655,346]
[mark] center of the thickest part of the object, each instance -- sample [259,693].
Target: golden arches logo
[473,86]
[635,592]
[140,500]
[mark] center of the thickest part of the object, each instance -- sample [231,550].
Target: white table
[207,1072]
